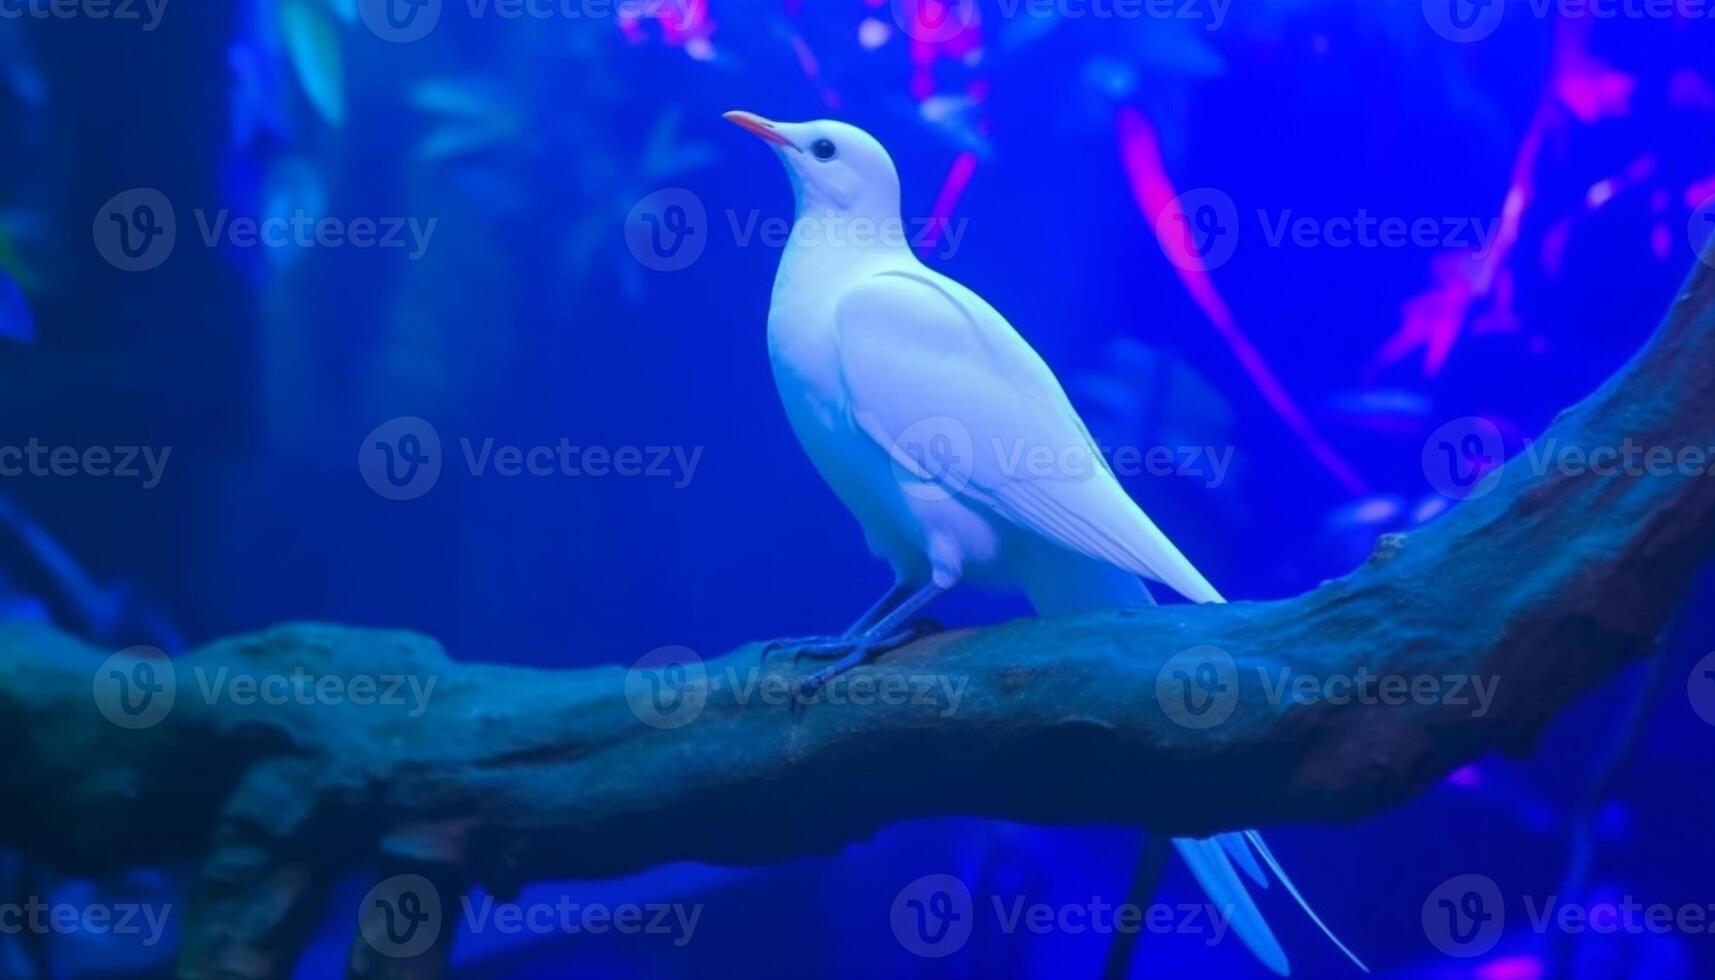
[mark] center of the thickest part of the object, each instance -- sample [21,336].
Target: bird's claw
[796,643]
[835,647]
[854,653]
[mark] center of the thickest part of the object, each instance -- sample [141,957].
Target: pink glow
[1584,84]
[1580,88]
[806,58]
[1699,192]
[1688,90]
[1466,777]
[1513,968]
[684,24]
[1434,318]
[1153,191]
[929,19]
[953,188]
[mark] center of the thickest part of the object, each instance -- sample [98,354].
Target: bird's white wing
[945,385]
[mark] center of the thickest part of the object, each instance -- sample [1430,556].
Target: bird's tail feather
[1291,889]
[1067,584]
[1213,869]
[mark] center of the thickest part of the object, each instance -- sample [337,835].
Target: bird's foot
[848,654]
[797,643]
[834,647]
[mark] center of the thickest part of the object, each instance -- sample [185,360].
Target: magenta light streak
[1580,87]
[1513,968]
[958,178]
[1153,191]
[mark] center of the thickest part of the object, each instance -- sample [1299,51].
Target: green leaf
[312,41]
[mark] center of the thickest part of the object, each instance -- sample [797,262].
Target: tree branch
[1544,587]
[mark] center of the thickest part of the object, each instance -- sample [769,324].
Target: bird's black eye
[823,149]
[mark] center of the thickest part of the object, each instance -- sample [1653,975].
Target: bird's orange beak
[758,126]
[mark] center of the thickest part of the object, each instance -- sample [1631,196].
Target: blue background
[537,314]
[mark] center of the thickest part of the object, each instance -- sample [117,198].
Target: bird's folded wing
[951,392]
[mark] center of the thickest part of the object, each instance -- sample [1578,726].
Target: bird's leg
[892,631]
[810,646]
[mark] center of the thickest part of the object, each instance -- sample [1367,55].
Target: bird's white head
[834,166]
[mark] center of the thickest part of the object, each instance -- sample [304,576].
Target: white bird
[954,445]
